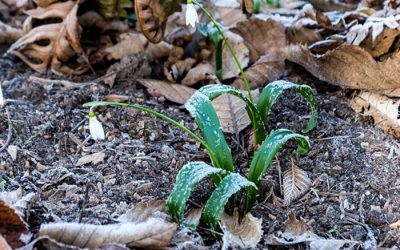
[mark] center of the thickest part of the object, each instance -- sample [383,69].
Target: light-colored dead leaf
[193,216]
[10,198]
[12,151]
[295,184]
[143,211]
[152,233]
[9,33]
[116,98]
[229,66]
[93,159]
[201,72]
[171,91]
[245,234]
[262,72]
[13,227]
[352,67]
[231,111]
[263,38]
[229,17]
[395,225]
[50,46]
[384,110]
[129,44]
[294,226]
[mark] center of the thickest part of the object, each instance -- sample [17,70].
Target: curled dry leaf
[12,226]
[50,46]
[229,66]
[171,91]
[384,110]
[8,33]
[352,67]
[294,226]
[201,72]
[152,233]
[244,234]
[231,111]
[295,184]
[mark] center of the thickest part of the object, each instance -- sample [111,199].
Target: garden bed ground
[354,165]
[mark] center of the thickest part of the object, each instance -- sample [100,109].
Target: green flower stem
[159,115]
[208,14]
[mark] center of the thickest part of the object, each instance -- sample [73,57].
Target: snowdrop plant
[191,14]
[222,168]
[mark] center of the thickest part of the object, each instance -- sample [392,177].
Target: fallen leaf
[3,244]
[143,211]
[152,233]
[229,17]
[231,111]
[129,44]
[352,67]
[295,184]
[9,33]
[12,151]
[93,159]
[116,98]
[395,225]
[384,110]
[171,91]
[201,72]
[262,72]
[244,234]
[294,226]
[263,38]
[12,226]
[49,46]
[193,216]
[229,66]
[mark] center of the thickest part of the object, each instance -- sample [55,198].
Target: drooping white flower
[95,127]
[191,14]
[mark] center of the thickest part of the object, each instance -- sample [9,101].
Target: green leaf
[114,8]
[271,92]
[212,91]
[201,109]
[264,156]
[188,177]
[230,185]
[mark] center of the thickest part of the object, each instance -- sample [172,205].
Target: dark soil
[354,165]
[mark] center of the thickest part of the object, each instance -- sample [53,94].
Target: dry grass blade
[384,110]
[171,91]
[351,67]
[295,184]
[153,233]
[50,46]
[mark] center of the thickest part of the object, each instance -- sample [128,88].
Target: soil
[354,165]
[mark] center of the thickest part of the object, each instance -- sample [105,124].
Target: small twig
[9,135]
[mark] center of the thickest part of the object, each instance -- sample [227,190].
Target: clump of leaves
[222,171]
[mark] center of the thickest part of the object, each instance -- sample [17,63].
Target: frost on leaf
[51,46]
[295,184]
[384,110]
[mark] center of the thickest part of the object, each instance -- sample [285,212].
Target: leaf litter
[371,32]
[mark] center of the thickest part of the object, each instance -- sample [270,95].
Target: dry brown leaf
[12,226]
[351,67]
[3,244]
[231,111]
[171,91]
[50,46]
[229,17]
[152,233]
[229,66]
[384,110]
[295,184]
[92,19]
[129,44]
[93,159]
[143,211]
[263,38]
[9,33]
[294,226]
[262,72]
[193,216]
[395,225]
[245,234]
[201,72]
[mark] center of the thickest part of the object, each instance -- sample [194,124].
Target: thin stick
[9,130]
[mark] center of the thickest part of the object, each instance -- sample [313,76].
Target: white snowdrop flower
[191,14]
[95,127]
